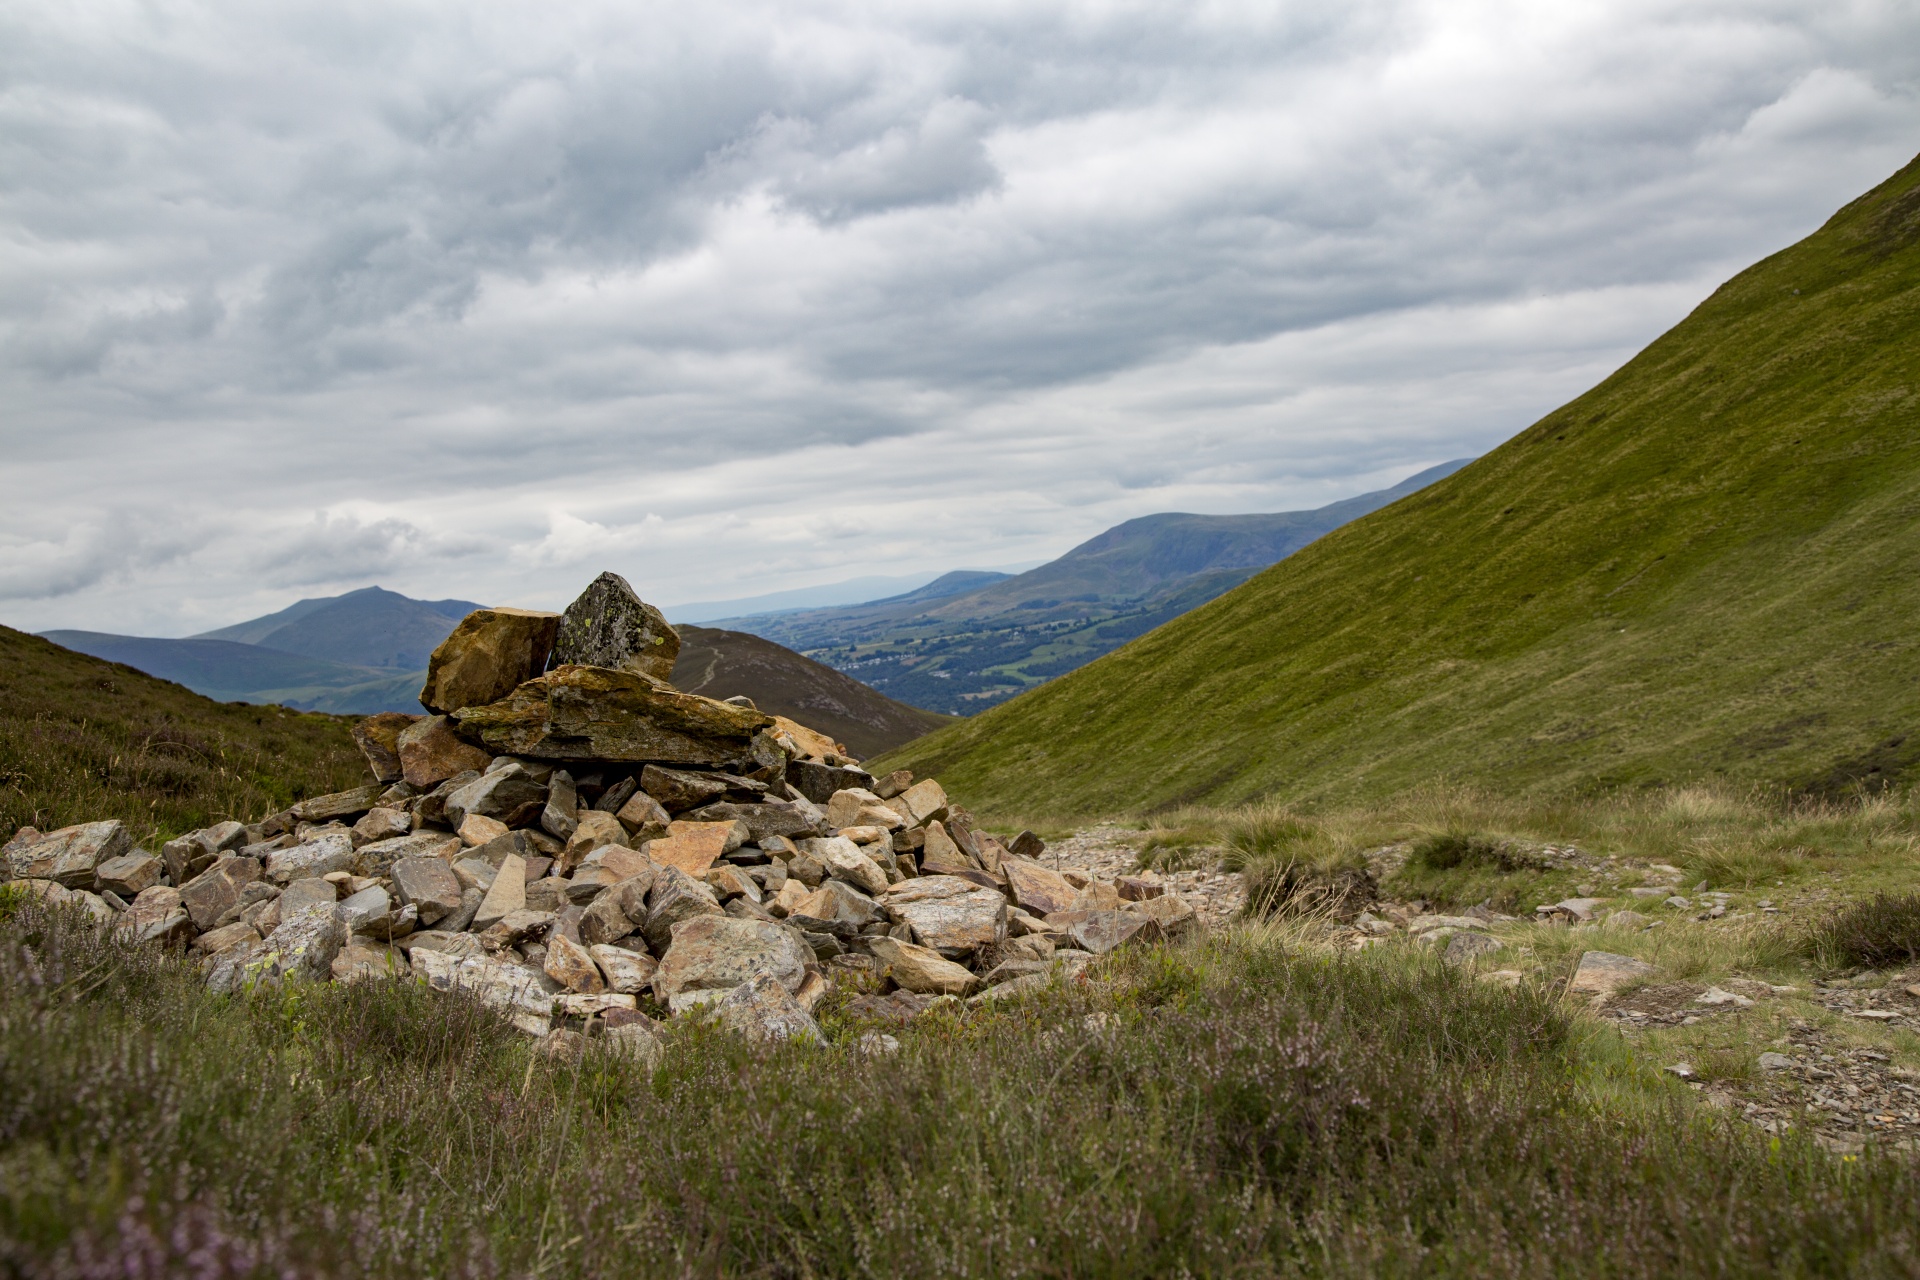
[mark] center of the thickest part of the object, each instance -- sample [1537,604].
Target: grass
[1704,569]
[1244,1107]
[82,739]
[1880,932]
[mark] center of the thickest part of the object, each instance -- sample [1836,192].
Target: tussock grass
[1880,932]
[1242,1107]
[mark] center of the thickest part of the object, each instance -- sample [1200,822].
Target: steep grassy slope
[1708,565]
[82,738]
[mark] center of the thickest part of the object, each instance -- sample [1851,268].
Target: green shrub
[1452,851]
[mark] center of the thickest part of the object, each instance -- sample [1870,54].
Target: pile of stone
[565,834]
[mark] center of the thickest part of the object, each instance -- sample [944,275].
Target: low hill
[229,671]
[968,641]
[721,664]
[1707,566]
[82,739]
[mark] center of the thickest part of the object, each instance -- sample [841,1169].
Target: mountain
[1708,566]
[851,591]
[721,664]
[365,628]
[969,640]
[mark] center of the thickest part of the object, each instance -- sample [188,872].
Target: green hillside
[82,739]
[1706,566]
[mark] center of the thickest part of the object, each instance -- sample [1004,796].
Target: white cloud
[478,300]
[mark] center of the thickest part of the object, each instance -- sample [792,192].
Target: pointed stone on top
[610,626]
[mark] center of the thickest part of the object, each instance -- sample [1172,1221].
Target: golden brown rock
[490,653]
[430,753]
[593,713]
[379,739]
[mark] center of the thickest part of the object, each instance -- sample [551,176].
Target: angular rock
[593,831]
[524,995]
[1099,932]
[194,852]
[370,905]
[557,818]
[619,861]
[316,857]
[570,965]
[844,861]
[615,797]
[1602,973]
[1137,888]
[610,626]
[69,856]
[764,821]
[511,795]
[845,807]
[518,929]
[475,873]
[431,752]
[303,947]
[921,803]
[712,954]
[728,881]
[802,743]
[1175,914]
[817,781]
[642,816]
[952,916]
[128,875]
[627,972]
[490,653]
[1467,948]
[378,737]
[215,891]
[1027,845]
[893,784]
[836,908]
[307,894]
[382,856]
[458,945]
[155,916]
[338,804]
[477,829]
[921,970]
[677,790]
[549,894]
[693,847]
[588,713]
[428,885]
[942,853]
[364,962]
[219,941]
[1038,889]
[764,1010]
[787,897]
[674,898]
[507,894]
[380,824]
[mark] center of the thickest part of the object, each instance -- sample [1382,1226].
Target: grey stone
[306,894]
[368,962]
[215,891]
[675,897]
[611,626]
[314,858]
[844,861]
[952,916]
[764,821]
[1601,973]
[921,970]
[1775,1062]
[524,995]
[507,893]
[627,972]
[380,824]
[428,885]
[817,781]
[838,908]
[338,804]
[70,856]
[1466,948]
[303,947]
[128,874]
[510,795]
[557,818]
[590,713]
[365,907]
[711,954]
[764,1009]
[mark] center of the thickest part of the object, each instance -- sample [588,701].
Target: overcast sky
[477,299]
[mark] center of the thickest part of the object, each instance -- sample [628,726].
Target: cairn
[564,833]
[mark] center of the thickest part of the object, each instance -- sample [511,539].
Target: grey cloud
[754,287]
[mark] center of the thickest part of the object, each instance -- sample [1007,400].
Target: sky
[478,299]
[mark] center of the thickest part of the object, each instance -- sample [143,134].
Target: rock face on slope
[590,837]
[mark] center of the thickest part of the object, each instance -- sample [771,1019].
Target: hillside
[232,671]
[1706,566]
[721,664]
[83,739]
[970,640]
[370,627]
